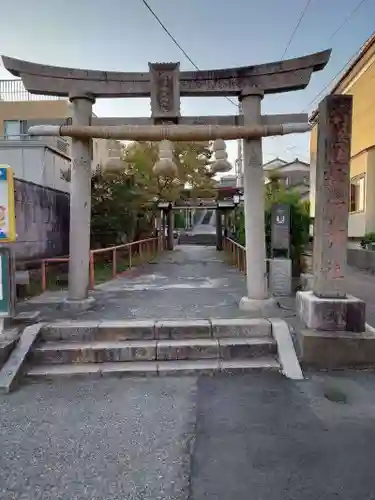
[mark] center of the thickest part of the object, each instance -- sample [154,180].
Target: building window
[357,193]
[14,130]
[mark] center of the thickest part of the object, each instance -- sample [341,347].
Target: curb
[13,367]
[287,355]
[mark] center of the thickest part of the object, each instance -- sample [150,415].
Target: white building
[38,161]
[295,175]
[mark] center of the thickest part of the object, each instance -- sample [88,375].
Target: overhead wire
[296,28]
[348,17]
[348,63]
[163,26]
[341,70]
[290,40]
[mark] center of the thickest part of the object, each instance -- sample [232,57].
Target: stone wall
[362,259]
[42,221]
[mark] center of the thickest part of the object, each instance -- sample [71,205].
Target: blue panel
[3,174]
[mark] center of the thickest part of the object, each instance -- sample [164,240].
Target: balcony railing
[13,90]
[58,143]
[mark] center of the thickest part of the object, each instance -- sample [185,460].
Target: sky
[122,35]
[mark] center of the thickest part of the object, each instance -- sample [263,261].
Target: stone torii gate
[164,83]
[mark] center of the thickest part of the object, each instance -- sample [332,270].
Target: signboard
[7,206]
[280,227]
[6,286]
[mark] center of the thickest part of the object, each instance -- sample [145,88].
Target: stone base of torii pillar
[334,332]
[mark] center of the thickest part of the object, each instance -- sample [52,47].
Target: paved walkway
[253,437]
[190,282]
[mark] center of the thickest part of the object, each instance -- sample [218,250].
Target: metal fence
[13,90]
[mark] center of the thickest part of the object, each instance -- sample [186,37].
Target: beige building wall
[33,110]
[370,191]
[358,82]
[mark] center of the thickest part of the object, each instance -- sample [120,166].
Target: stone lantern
[165,166]
[114,164]
[221,164]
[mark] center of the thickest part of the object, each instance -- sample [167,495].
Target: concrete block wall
[42,221]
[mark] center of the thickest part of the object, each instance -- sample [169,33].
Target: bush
[179,220]
[367,240]
[299,225]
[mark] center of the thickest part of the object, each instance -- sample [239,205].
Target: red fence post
[130,255]
[114,263]
[92,270]
[44,275]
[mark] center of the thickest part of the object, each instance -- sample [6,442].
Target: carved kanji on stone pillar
[332,196]
[165,92]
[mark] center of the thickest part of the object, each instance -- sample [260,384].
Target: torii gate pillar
[80,205]
[256,274]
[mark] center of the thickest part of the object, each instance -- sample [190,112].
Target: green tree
[113,208]
[192,163]
[124,203]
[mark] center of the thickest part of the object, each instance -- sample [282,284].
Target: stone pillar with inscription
[327,307]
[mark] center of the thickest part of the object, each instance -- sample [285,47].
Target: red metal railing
[236,254]
[119,258]
[140,251]
[44,268]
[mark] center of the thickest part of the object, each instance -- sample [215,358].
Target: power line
[296,27]
[341,70]
[146,4]
[292,36]
[351,14]
[346,65]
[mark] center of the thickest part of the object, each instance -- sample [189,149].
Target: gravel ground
[255,436]
[263,437]
[110,439]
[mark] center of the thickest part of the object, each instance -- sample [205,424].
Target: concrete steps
[152,368]
[153,348]
[205,239]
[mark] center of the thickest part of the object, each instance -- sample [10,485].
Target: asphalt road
[361,284]
[253,437]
